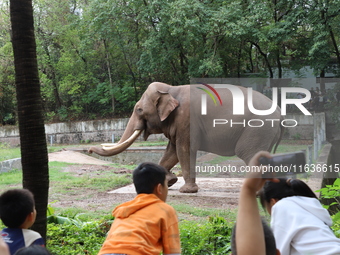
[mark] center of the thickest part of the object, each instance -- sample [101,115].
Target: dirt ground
[219,193]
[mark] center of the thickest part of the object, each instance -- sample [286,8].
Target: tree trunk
[264,55]
[108,65]
[279,66]
[251,58]
[322,81]
[336,50]
[239,60]
[34,156]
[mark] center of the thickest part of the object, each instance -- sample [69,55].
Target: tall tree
[34,156]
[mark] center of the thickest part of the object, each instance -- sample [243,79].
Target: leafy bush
[71,236]
[333,192]
[212,237]
[71,239]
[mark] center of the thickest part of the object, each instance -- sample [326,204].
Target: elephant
[169,110]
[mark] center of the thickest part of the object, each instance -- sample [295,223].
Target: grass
[284,147]
[69,182]
[149,143]
[8,153]
[100,184]
[185,210]
[11,179]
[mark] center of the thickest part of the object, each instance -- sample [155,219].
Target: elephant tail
[281,135]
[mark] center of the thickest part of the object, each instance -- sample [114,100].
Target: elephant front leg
[187,160]
[168,161]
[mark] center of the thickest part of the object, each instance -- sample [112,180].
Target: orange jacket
[144,225]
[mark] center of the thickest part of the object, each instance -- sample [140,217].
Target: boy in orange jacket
[146,224]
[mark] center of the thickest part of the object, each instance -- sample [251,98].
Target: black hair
[284,188]
[33,250]
[269,239]
[15,206]
[147,176]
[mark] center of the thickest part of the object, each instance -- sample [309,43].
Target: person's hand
[254,179]
[3,247]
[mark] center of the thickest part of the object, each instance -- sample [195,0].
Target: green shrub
[71,239]
[212,237]
[333,192]
[74,236]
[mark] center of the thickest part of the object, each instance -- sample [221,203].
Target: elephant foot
[172,179]
[189,188]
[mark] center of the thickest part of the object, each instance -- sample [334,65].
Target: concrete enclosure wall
[76,132]
[104,130]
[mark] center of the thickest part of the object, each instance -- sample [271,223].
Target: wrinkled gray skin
[166,109]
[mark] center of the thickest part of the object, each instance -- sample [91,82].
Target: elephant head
[148,115]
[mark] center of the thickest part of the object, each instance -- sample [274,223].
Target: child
[17,212]
[269,240]
[299,222]
[145,225]
[33,250]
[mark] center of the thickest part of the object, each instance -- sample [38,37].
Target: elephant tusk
[109,146]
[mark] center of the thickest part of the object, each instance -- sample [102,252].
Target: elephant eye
[139,110]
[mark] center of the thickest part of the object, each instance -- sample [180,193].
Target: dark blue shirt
[17,238]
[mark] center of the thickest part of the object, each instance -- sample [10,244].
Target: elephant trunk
[113,149]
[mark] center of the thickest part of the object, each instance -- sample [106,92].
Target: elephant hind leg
[250,143]
[168,161]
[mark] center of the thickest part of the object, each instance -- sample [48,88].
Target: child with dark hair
[17,212]
[300,224]
[269,240]
[145,225]
[33,250]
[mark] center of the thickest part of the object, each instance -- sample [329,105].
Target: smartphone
[284,165]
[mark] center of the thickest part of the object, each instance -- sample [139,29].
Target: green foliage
[333,192]
[69,235]
[72,235]
[96,57]
[211,237]
[72,239]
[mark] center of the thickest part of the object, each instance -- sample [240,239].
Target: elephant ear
[166,104]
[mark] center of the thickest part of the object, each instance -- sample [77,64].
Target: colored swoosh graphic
[209,93]
[213,90]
